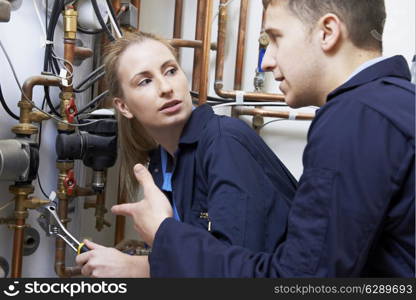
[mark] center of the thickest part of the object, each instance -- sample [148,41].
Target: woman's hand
[101,262]
[150,212]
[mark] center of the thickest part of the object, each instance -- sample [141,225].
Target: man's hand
[149,213]
[101,262]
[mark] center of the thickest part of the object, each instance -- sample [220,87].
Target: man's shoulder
[390,98]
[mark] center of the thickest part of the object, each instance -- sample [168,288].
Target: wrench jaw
[52,225]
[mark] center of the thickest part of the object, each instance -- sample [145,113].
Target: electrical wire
[89,76]
[113,19]
[88,83]
[93,102]
[31,102]
[273,121]
[101,20]
[6,205]
[6,107]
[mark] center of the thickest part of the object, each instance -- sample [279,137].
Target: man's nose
[269,64]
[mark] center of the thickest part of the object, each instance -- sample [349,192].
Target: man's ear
[122,107]
[330,32]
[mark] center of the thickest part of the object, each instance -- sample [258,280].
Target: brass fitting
[63,168]
[21,194]
[33,203]
[70,23]
[264,40]
[25,127]
[65,102]
[38,116]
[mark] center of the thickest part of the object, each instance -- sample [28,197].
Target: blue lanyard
[167,181]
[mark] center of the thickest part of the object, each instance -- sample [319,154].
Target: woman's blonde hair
[134,142]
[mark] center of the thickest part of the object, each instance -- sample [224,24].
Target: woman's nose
[165,87]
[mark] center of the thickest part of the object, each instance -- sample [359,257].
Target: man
[354,211]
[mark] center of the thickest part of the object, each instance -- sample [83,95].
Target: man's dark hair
[364,19]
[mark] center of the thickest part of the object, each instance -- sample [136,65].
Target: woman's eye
[172,71]
[144,82]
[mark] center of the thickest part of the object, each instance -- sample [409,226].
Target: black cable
[93,102]
[89,76]
[6,107]
[101,21]
[50,63]
[41,188]
[87,31]
[89,83]
[39,144]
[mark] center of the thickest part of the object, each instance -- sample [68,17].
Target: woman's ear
[122,107]
[330,32]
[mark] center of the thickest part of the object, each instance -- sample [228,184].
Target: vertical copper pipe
[241,45]
[20,212]
[69,55]
[18,249]
[137,3]
[222,27]
[70,30]
[120,220]
[177,26]
[219,67]
[116,5]
[197,53]
[206,48]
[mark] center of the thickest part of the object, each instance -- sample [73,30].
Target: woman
[217,172]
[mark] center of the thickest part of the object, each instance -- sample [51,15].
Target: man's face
[292,56]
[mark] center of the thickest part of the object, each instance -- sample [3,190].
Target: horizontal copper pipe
[243,111]
[249,96]
[83,52]
[179,43]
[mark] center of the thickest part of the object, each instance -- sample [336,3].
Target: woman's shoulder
[226,127]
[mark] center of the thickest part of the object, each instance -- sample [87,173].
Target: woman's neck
[168,138]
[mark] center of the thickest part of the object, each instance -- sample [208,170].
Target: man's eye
[144,82]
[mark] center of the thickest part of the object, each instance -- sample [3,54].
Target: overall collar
[395,66]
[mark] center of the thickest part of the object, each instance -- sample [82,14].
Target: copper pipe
[241,45]
[17,259]
[120,220]
[69,55]
[219,70]
[67,96]
[83,53]
[177,26]
[100,211]
[137,3]
[243,111]
[27,116]
[21,194]
[60,268]
[179,43]
[197,53]
[33,81]
[116,5]
[206,48]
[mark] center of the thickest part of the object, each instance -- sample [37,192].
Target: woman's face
[155,89]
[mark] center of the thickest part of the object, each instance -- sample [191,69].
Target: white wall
[21,37]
